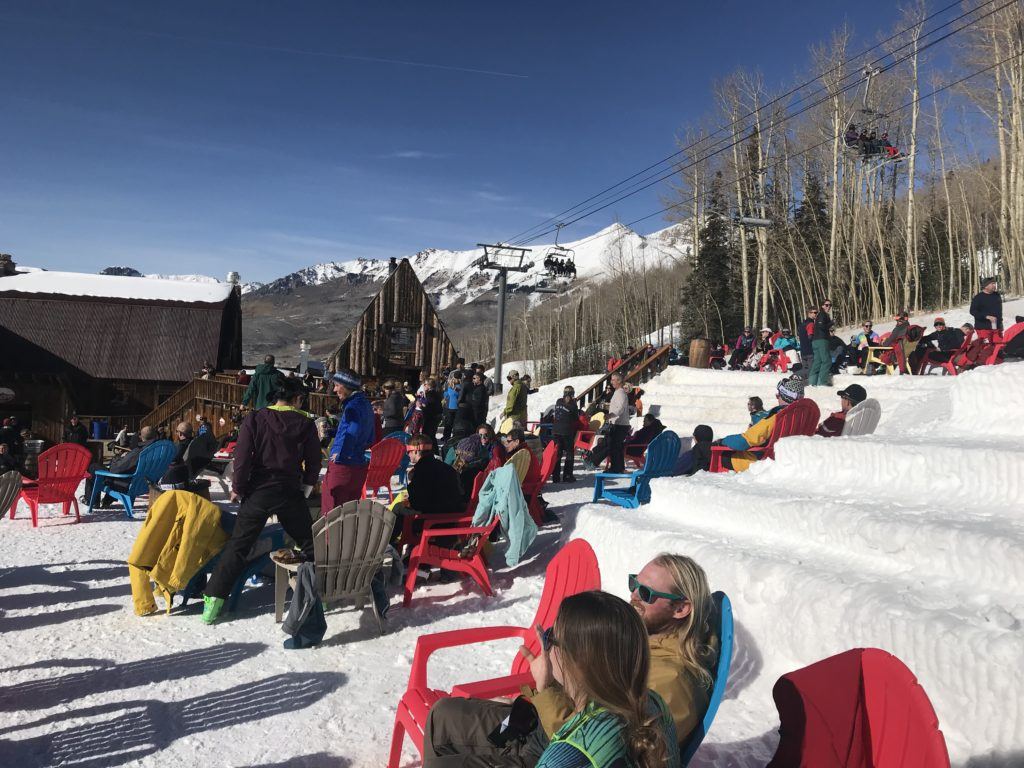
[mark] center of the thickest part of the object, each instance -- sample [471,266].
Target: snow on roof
[115,287]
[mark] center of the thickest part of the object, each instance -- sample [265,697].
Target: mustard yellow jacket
[686,698]
[181,534]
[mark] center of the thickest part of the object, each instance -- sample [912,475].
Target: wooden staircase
[216,399]
[635,369]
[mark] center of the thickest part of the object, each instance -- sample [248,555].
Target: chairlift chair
[558,257]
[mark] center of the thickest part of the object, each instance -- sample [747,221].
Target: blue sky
[265,136]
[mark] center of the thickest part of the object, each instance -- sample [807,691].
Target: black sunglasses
[547,639]
[647,594]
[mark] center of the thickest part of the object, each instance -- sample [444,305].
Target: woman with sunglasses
[821,366]
[597,651]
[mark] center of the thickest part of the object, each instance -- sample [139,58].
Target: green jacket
[515,404]
[262,384]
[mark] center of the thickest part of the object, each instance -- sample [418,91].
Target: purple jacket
[276,446]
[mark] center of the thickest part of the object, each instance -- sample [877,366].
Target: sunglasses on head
[647,594]
[547,639]
[417,448]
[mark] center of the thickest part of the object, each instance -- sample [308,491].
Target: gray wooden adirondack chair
[862,418]
[10,487]
[349,544]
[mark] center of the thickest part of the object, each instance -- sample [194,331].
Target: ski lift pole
[502,284]
[503,259]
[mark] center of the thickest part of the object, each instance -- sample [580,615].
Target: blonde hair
[689,579]
[605,655]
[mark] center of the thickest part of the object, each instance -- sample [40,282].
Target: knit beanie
[703,434]
[791,389]
[349,379]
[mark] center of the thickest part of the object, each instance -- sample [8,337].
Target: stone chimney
[7,265]
[392,265]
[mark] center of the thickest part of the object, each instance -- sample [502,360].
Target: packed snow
[910,540]
[116,286]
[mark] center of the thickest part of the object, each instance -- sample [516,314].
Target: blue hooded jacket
[356,431]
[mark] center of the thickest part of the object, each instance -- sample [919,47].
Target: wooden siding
[399,331]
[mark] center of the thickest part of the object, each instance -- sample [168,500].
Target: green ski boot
[212,606]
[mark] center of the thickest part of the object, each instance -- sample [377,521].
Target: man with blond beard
[672,597]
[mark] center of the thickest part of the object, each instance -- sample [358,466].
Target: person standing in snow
[76,433]
[565,423]
[618,420]
[804,331]
[515,402]
[262,385]
[821,367]
[478,398]
[346,467]
[277,463]
[452,394]
[394,408]
[849,397]
[987,311]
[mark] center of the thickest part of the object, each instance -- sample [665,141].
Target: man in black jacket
[7,460]
[939,345]
[565,423]
[987,310]
[804,331]
[434,487]
[395,406]
[76,433]
[477,396]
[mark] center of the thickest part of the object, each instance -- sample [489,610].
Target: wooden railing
[595,390]
[635,369]
[215,399]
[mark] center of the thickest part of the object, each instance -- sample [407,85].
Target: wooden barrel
[699,352]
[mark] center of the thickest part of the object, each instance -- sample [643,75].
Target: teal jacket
[502,496]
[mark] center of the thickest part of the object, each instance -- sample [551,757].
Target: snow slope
[911,540]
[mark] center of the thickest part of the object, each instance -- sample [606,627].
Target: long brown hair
[689,579]
[605,658]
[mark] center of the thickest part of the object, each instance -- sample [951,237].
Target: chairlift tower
[504,259]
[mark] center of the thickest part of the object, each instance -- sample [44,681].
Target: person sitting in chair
[673,599]
[433,487]
[7,460]
[122,465]
[788,391]
[849,397]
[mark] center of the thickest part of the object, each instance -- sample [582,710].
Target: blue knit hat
[347,378]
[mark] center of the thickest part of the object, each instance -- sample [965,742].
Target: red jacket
[833,425]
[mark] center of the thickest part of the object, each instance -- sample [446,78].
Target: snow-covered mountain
[451,277]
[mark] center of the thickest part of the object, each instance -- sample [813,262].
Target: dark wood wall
[399,332]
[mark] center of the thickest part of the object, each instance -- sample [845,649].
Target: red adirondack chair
[385,457]
[61,469]
[934,357]
[799,418]
[864,705]
[573,570]
[993,358]
[410,534]
[532,491]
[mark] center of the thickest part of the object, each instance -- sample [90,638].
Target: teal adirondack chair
[153,462]
[722,626]
[661,459]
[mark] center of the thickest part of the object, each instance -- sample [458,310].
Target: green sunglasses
[648,595]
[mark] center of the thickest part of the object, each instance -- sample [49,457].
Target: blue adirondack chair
[153,462]
[722,626]
[661,459]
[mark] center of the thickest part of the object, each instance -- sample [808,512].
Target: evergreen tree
[712,300]
[811,219]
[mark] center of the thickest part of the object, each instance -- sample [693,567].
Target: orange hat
[939,321]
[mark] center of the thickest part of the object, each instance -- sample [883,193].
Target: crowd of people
[817,353]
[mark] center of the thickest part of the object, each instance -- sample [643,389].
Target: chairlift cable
[828,140]
[648,181]
[787,118]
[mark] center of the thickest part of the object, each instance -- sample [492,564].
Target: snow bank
[910,540]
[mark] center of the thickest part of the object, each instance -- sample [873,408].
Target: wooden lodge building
[106,346]
[399,335]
